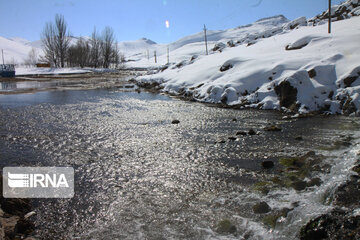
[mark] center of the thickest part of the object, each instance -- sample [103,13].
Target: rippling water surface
[137,176]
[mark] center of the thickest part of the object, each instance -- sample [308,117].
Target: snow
[257,69]
[16,50]
[23,71]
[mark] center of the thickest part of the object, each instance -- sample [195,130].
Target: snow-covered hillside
[16,50]
[301,69]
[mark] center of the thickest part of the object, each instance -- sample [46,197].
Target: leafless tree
[95,52]
[107,46]
[48,40]
[55,38]
[32,58]
[79,54]
[62,38]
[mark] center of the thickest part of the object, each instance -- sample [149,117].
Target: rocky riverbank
[343,222]
[15,218]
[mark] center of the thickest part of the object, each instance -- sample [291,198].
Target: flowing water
[137,176]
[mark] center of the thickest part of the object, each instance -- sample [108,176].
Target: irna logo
[16,180]
[38,182]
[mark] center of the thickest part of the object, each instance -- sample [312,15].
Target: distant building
[7,70]
[43,65]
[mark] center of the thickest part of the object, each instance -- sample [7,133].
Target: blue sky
[134,19]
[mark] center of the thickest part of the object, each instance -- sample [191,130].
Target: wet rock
[261,208]
[271,219]
[24,226]
[225,226]
[356,169]
[240,133]
[314,182]
[286,93]
[15,206]
[252,132]
[8,227]
[299,185]
[175,121]
[272,128]
[332,226]
[267,164]
[348,194]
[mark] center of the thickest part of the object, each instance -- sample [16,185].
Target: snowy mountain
[16,50]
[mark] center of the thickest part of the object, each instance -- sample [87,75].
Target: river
[138,176]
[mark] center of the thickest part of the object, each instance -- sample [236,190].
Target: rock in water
[272,128]
[175,122]
[267,164]
[252,132]
[225,226]
[261,208]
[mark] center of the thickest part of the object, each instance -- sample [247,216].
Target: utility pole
[168,55]
[329,16]
[155,56]
[207,53]
[2,51]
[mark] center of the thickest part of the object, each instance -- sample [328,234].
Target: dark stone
[267,164]
[261,208]
[288,48]
[15,206]
[314,182]
[234,120]
[272,128]
[331,94]
[219,47]
[241,133]
[252,132]
[299,185]
[164,68]
[24,226]
[232,138]
[312,73]
[286,93]
[224,99]
[337,224]
[299,138]
[175,122]
[348,195]
[225,67]
[349,80]
[270,78]
[231,43]
[245,93]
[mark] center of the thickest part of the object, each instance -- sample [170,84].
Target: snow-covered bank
[23,71]
[303,70]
